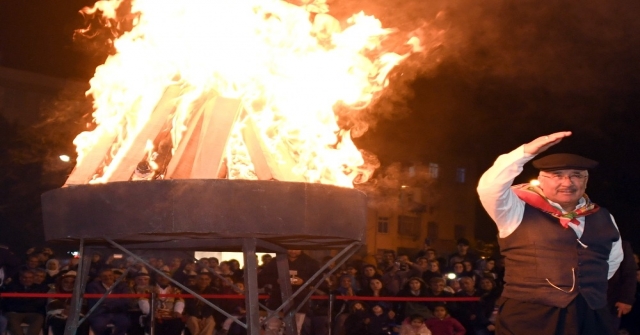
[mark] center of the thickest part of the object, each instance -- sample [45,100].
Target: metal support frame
[249,246]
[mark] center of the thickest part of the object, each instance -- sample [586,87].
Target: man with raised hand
[559,247]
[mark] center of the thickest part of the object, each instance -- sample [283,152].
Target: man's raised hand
[543,143]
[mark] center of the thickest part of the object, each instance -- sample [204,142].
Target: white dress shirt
[507,210]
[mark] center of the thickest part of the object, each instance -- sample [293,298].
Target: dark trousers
[523,318]
[58,325]
[34,320]
[173,326]
[99,323]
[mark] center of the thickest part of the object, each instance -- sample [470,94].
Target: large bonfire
[242,89]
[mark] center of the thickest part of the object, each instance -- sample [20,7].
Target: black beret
[564,162]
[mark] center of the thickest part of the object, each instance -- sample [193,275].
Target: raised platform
[181,212]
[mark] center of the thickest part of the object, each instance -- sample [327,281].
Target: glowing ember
[287,71]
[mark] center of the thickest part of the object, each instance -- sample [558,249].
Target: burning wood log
[87,167]
[219,116]
[267,166]
[182,161]
[127,158]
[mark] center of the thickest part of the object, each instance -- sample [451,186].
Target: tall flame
[288,71]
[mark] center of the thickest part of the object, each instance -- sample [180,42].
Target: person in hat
[560,248]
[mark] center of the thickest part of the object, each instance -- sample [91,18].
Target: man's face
[369,271]
[564,187]
[67,283]
[437,287]
[162,280]
[414,285]
[107,277]
[463,249]
[467,284]
[39,277]
[142,281]
[26,279]
[33,262]
[486,285]
[458,268]
[176,262]
[434,266]
[431,254]
[294,254]
[345,282]
[203,281]
[389,257]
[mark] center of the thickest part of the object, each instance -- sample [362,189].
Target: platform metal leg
[251,286]
[78,290]
[285,287]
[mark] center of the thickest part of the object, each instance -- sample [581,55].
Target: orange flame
[288,71]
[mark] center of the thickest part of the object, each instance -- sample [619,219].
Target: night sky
[497,74]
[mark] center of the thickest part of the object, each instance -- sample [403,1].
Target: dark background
[496,74]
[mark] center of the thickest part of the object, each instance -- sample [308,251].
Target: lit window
[383,224]
[433,170]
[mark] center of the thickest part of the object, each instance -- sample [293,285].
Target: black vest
[540,253]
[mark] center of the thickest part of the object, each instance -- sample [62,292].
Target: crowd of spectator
[355,288]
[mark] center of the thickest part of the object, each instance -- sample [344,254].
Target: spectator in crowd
[341,306]
[110,311]
[356,322]
[466,312]
[9,265]
[433,270]
[487,307]
[97,264]
[301,268]
[200,316]
[379,320]
[463,253]
[235,307]
[419,267]
[265,259]
[40,277]
[631,322]
[426,250]
[436,290]
[32,263]
[414,288]
[21,310]
[458,269]
[369,272]
[414,325]
[167,309]
[443,324]
[175,265]
[53,269]
[486,268]
[58,308]
[469,271]
[622,286]
[452,285]
[141,285]
[376,289]
[396,275]
[186,270]
[224,269]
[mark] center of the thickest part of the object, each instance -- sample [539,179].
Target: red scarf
[533,196]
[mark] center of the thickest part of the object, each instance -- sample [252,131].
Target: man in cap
[559,247]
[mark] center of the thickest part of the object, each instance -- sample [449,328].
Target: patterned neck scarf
[533,196]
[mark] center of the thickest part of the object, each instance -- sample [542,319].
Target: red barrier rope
[232,296]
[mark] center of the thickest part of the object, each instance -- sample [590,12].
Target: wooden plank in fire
[132,155]
[182,160]
[85,169]
[267,166]
[218,119]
